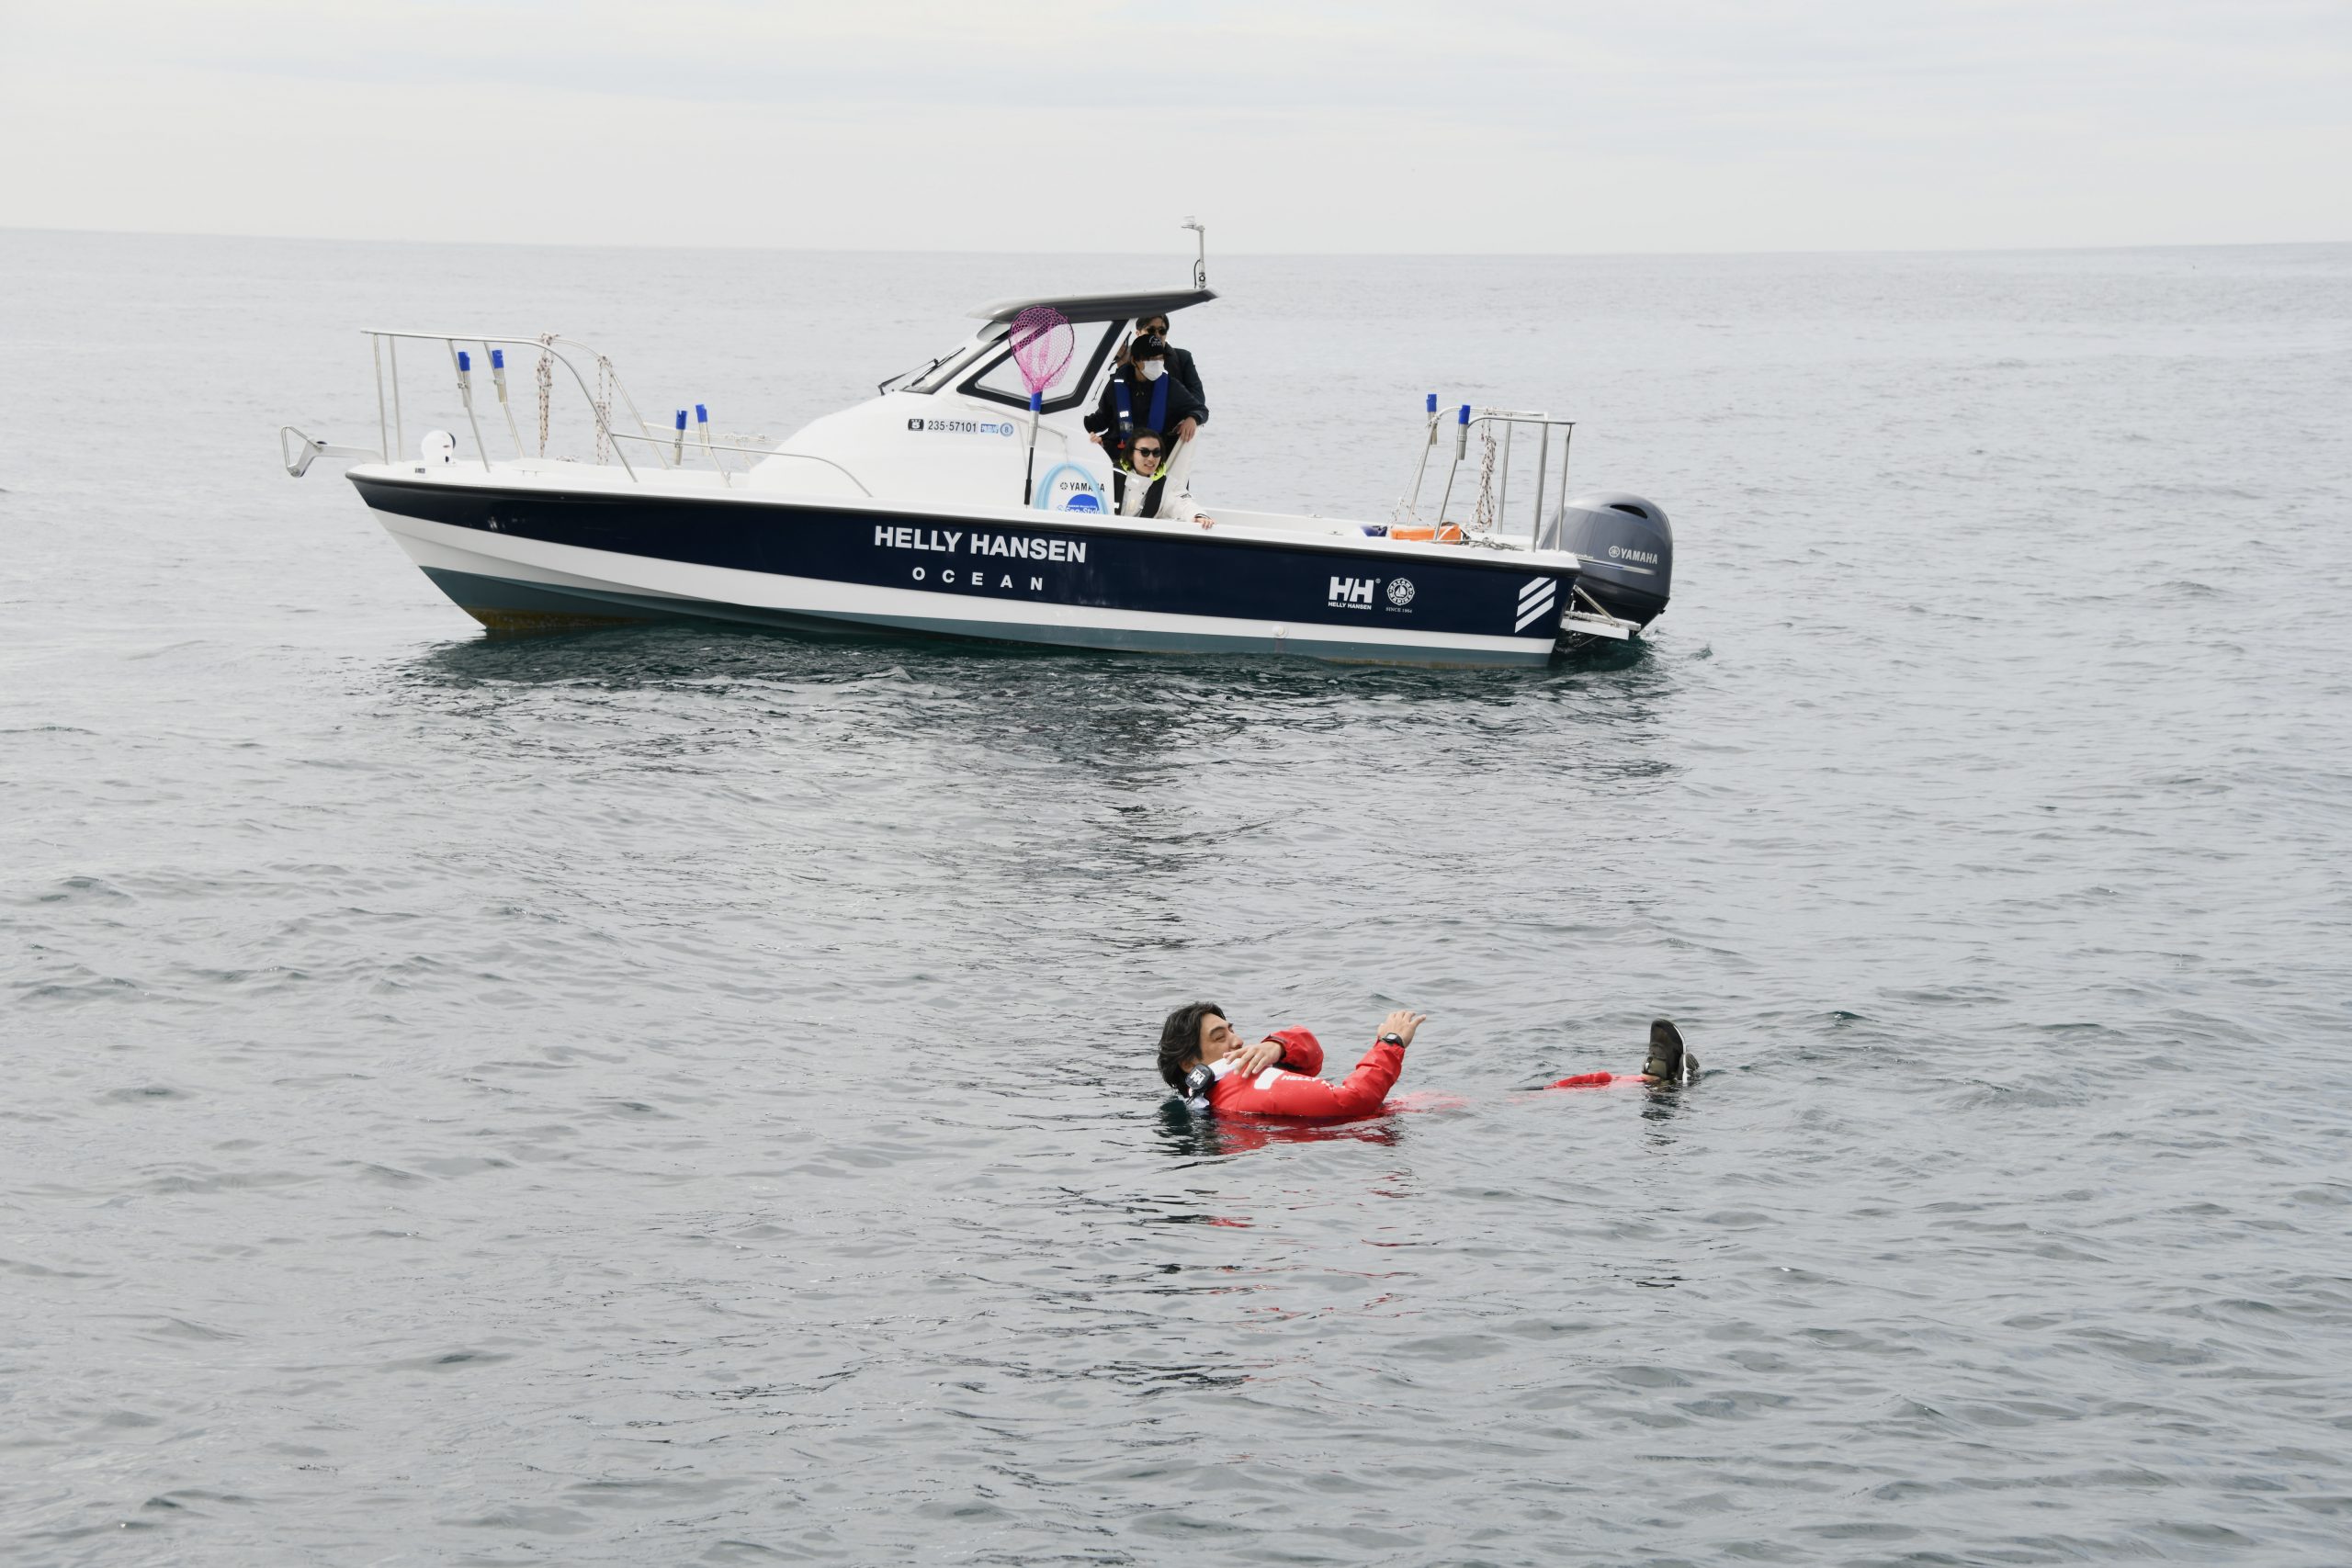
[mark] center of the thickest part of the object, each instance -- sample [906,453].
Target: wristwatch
[1392,1038]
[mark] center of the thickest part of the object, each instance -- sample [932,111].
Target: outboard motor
[1628,550]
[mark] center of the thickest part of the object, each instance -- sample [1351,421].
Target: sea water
[685,1095]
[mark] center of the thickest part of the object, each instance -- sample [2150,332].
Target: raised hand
[1403,1022]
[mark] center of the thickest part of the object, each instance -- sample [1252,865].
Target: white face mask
[1149,369]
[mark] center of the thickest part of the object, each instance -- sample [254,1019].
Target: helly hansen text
[946,540]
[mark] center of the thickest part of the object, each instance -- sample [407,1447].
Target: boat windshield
[982,367]
[940,369]
[994,378]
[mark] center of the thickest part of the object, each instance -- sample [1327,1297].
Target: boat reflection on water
[635,655]
[1105,720]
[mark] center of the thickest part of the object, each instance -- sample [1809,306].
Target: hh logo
[1353,591]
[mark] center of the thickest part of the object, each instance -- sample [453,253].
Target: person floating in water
[1204,1059]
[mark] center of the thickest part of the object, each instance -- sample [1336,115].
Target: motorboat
[961,502]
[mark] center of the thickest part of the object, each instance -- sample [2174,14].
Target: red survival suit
[1290,1088]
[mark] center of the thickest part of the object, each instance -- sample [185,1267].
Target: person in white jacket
[1143,489]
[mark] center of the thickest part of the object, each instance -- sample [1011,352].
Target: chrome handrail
[1465,418]
[760,452]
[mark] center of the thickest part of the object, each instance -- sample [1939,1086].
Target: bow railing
[474,357]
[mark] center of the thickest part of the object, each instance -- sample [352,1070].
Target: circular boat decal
[1068,487]
[1400,592]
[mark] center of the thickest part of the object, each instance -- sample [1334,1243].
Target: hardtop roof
[1101,307]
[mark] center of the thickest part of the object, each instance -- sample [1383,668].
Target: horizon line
[1252,254]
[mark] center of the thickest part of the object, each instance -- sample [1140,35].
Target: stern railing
[1490,511]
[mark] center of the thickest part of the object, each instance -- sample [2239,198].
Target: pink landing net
[1042,344]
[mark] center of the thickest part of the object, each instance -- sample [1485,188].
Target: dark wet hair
[1180,1039]
[1151,346]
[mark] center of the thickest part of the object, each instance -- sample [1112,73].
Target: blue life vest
[1126,409]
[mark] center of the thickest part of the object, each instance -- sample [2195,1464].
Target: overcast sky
[1087,124]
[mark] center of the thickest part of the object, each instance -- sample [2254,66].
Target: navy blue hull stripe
[1189,572]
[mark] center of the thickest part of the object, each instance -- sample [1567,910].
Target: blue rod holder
[498,359]
[465,362]
[1432,402]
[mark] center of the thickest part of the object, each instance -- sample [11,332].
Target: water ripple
[674,1095]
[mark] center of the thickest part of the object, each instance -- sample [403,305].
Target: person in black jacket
[1180,361]
[1181,366]
[1144,396]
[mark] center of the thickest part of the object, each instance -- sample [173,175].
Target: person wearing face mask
[1181,367]
[1143,396]
[1180,361]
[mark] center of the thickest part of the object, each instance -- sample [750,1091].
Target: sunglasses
[1146,451]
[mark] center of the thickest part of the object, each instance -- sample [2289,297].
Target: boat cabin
[956,428]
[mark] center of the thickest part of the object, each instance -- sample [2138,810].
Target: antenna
[1201,265]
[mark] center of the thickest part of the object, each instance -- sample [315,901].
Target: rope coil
[1483,521]
[546,385]
[605,380]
